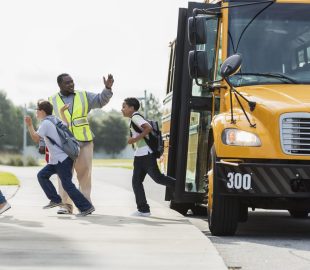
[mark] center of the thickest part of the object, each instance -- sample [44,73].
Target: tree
[111,132]
[153,108]
[11,124]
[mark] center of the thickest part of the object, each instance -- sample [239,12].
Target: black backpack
[155,141]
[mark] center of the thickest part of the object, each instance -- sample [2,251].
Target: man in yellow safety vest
[79,104]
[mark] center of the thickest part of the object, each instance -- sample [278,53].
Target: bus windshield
[274,41]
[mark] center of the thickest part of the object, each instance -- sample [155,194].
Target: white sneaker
[141,214]
[65,209]
[5,206]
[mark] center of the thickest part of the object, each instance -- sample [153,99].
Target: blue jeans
[64,171]
[147,165]
[2,198]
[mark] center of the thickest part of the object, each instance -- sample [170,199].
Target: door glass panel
[210,48]
[197,151]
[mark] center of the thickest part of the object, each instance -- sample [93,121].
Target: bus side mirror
[197,30]
[198,64]
[231,65]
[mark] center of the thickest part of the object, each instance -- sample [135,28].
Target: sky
[41,39]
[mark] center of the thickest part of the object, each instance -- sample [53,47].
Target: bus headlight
[232,136]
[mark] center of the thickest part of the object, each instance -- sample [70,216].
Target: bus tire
[299,213]
[243,213]
[223,212]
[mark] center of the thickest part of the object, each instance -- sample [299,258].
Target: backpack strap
[135,127]
[52,141]
[138,130]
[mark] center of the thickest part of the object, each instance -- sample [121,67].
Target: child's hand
[65,107]
[131,140]
[28,120]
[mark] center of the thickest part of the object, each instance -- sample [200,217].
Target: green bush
[12,159]
[18,160]
[30,161]
[15,161]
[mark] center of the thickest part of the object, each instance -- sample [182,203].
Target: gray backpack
[68,142]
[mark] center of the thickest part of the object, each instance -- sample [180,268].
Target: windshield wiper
[271,75]
[252,20]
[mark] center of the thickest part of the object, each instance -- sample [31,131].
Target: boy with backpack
[60,162]
[144,157]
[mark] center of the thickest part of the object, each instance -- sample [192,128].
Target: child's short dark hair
[133,102]
[45,106]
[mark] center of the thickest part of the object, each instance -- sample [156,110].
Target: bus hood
[279,98]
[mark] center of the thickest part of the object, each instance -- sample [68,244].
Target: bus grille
[295,133]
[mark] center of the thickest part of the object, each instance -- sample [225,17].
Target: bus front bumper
[263,179]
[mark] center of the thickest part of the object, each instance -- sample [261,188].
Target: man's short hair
[60,77]
[45,106]
[133,102]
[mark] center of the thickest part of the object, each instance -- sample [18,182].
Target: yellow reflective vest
[78,123]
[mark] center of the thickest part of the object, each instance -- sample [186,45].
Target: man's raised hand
[109,82]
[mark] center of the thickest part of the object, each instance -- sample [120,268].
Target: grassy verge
[8,179]
[114,163]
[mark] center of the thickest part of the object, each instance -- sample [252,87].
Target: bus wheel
[223,212]
[182,208]
[243,213]
[299,213]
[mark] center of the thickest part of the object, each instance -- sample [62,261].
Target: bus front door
[191,115]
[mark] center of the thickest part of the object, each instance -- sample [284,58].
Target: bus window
[170,79]
[301,58]
[308,55]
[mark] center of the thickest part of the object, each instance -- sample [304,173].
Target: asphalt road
[268,240]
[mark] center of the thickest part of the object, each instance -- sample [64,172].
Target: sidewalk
[110,238]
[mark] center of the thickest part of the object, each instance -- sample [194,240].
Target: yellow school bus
[237,111]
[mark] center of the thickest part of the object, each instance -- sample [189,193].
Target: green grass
[114,163]
[8,179]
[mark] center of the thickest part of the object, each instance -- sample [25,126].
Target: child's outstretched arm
[62,113]
[33,134]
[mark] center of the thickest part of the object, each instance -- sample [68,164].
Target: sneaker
[5,206]
[86,212]
[65,209]
[51,205]
[141,214]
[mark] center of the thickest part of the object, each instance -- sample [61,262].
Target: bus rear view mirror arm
[229,67]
